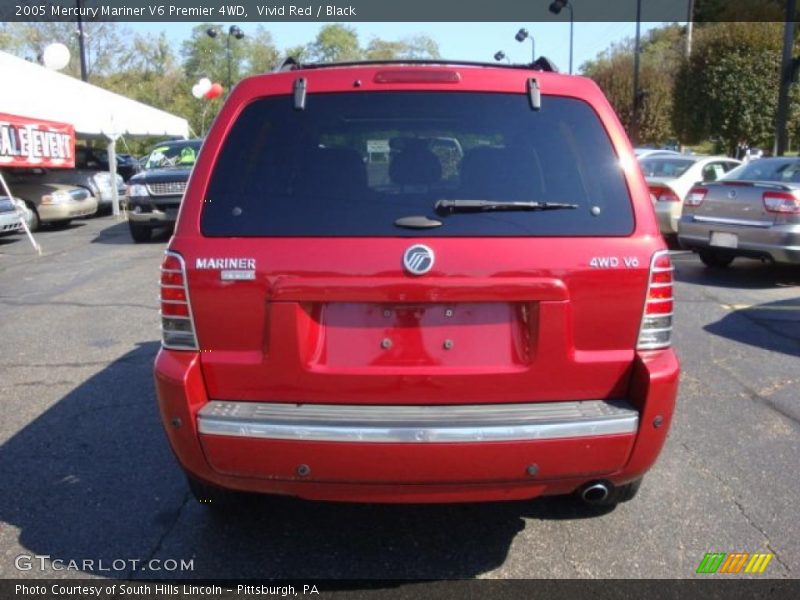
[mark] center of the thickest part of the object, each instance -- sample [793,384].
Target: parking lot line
[755,307]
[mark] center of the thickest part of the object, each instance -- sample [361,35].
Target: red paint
[532,321]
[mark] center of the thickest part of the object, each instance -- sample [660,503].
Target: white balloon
[196,91]
[204,84]
[56,56]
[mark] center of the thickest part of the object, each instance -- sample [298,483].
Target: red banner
[28,142]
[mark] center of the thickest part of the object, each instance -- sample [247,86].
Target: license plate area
[722,239]
[496,335]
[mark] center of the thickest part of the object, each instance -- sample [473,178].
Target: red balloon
[216,90]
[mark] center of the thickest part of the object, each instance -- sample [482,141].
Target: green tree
[106,44]
[419,46]
[660,58]
[335,43]
[262,55]
[728,89]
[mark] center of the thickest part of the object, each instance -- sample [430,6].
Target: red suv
[416,282]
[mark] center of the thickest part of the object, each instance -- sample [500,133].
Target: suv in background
[154,195]
[492,323]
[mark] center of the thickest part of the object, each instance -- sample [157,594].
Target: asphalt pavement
[86,473]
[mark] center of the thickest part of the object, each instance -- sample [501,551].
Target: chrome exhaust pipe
[595,492]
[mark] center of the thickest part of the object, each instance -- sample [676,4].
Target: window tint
[351,164]
[665,167]
[713,171]
[181,154]
[765,169]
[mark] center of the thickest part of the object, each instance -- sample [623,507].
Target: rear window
[667,168]
[179,155]
[785,171]
[351,164]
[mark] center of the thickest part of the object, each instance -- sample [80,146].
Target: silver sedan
[753,212]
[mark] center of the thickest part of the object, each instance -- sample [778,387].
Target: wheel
[715,260]
[139,233]
[63,224]
[35,222]
[215,498]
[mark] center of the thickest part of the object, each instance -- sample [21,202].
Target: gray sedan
[754,211]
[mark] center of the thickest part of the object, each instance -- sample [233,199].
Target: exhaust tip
[595,492]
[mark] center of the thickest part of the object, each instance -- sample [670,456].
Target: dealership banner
[26,142]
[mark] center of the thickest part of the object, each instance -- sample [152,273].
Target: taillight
[695,196]
[781,202]
[177,327]
[663,194]
[656,329]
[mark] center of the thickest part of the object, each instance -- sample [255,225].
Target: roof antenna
[300,93]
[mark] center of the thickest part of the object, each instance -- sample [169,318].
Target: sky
[462,41]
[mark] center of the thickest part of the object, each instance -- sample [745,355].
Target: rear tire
[140,234]
[715,260]
[35,222]
[626,492]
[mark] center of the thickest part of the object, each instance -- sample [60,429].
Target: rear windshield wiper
[444,207]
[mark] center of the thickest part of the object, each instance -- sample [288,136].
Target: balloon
[196,91]
[56,56]
[204,85]
[216,90]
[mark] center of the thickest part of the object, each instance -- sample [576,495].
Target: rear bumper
[145,211]
[668,214]
[9,223]
[780,243]
[67,210]
[430,454]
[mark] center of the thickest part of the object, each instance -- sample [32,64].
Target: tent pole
[112,169]
[36,246]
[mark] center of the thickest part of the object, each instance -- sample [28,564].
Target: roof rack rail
[289,63]
[541,64]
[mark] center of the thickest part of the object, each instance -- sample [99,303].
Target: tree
[419,46]
[335,43]
[262,55]
[660,58]
[728,89]
[106,44]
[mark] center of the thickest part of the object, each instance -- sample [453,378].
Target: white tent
[30,90]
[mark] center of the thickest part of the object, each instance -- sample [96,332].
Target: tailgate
[737,203]
[338,320]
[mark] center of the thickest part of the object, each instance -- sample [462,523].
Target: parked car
[671,177]
[754,211]
[97,183]
[500,334]
[55,204]
[154,195]
[10,211]
[648,152]
[97,159]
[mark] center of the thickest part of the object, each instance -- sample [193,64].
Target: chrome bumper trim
[726,221]
[417,424]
